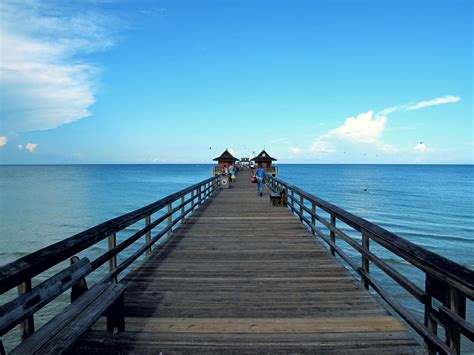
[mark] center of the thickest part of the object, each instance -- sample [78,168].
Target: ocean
[430,205]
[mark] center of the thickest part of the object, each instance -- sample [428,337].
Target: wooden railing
[445,281]
[21,272]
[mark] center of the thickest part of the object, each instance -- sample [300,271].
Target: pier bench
[277,196]
[61,332]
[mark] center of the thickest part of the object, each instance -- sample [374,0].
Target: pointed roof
[263,156]
[226,156]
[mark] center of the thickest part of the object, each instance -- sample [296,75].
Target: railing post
[192,200]
[365,260]
[113,260]
[430,323]
[199,196]
[170,218]
[292,200]
[313,213]
[148,234]
[301,207]
[182,206]
[457,304]
[332,235]
[27,327]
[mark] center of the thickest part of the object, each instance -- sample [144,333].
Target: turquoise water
[430,205]
[47,203]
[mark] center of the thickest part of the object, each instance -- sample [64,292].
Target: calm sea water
[430,205]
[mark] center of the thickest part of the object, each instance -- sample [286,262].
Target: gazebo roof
[226,156]
[263,156]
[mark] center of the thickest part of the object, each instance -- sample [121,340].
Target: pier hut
[265,160]
[225,160]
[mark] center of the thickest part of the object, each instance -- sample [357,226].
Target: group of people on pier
[229,171]
[228,166]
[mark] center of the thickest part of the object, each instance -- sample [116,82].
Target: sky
[147,82]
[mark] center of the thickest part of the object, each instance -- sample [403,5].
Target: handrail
[453,273]
[446,281]
[20,272]
[30,265]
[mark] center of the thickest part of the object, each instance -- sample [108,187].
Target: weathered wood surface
[245,276]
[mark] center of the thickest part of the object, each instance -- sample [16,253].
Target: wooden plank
[249,218]
[264,325]
[279,343]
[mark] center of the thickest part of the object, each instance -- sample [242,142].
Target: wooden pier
[225,271]
[245,276]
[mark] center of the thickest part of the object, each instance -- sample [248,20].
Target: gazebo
[225,160]
[265,160]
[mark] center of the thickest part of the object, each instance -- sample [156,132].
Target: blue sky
[180,81]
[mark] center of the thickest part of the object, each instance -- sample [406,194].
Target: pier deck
[244,276]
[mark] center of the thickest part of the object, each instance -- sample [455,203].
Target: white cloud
[420,147]
[31,147]
[296,150]
[20,146]
[44,82]
[365,128]
[433,102]
[3,141]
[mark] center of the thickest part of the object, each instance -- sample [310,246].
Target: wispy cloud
[433,102]
[31,147]
[3,141]
[45,83]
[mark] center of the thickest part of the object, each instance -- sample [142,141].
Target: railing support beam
[457,304]
[170,218]
[430,323]
[365,260]
[27,327]
[148,234]
[112,241]
[332,235]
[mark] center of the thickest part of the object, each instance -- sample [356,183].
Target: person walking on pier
[260,175]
